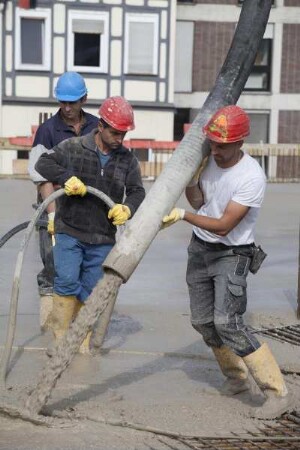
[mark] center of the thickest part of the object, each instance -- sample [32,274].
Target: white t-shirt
[244,183]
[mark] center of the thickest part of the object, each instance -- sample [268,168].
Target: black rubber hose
[13,231]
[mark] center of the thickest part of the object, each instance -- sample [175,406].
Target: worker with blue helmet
[69,121]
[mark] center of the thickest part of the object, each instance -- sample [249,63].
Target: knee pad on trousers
[240,340]
[209,334]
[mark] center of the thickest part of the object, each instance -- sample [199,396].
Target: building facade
[120,47]
[205,29]
[162,55]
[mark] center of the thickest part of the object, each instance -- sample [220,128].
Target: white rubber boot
[234,369]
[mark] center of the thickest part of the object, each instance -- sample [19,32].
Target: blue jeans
[78,265]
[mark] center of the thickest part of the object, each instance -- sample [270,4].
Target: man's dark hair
[104,124]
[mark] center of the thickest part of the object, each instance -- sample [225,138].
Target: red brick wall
[211,44]
[289,129]
[288,167]
[290,67]
[291,3]
[288,133]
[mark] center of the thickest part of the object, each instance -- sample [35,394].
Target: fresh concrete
[155,370]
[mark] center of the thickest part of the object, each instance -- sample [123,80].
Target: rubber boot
[266,372]
[84,348]
[64,307]
[234,369]
[46,305]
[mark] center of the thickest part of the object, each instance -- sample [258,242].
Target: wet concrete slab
[154,368]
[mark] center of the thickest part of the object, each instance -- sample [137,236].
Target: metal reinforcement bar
[284,434]
[289,333]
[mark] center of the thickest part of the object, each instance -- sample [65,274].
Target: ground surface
[155,371]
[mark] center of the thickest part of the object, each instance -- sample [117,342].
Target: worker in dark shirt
[85,227]
[69,121]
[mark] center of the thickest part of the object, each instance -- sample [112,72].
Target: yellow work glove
[195,180]
[50,226]
[175,215]
[119,213]
[74,186]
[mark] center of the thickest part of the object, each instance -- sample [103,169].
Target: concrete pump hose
[12,232]
[18,269]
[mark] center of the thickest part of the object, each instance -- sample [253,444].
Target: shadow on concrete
[196,367]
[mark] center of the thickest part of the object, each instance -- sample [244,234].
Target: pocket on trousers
[236,291]
[242,265]
[237,295]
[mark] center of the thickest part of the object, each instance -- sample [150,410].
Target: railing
[280,162]
[152,155]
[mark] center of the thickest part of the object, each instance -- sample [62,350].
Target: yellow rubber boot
[266,372]
[234,369]
[61,317]
[46,306]
[84,348]
[64,307]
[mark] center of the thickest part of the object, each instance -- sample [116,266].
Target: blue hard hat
[70,87]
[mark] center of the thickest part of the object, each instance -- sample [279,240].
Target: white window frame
[142,18]
[86,16]
[38,13]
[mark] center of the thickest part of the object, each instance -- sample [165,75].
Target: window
[88,41]
[33,39]
[182,120]
[184,56]
[259,127]
[260,76]
[141,44]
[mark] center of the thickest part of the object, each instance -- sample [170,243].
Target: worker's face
[226,155]
[71,110]
[110,137]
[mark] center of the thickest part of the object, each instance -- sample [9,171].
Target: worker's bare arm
[46,189]
[232,216]
[193,191]
[194,196]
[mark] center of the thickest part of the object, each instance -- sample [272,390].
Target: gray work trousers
[45,277]
[216,278]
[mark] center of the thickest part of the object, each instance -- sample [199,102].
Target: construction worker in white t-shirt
[227,198]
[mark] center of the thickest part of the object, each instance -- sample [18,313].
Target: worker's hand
[119,214]
[195,180]
[74,186]
[50,226]
[175,215]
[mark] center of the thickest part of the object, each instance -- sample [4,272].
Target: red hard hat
[228,124]
[118,113]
